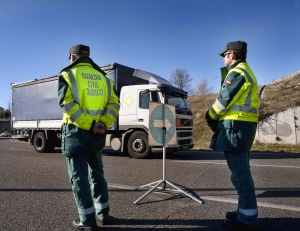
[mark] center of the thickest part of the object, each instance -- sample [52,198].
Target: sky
[157,36]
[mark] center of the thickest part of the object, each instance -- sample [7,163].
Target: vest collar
[84,60]
[225,70]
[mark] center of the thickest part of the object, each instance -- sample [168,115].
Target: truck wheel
[42,145]
[137,145]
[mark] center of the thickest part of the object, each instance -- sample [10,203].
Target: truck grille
[184,134]
[186,122]
[185,142]
[184,137]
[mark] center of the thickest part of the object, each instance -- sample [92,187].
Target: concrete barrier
[281,127]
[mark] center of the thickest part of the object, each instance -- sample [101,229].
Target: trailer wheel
[42,145]
[137,145]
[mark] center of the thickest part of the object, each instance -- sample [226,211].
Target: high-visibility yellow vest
[245,103]
[88,97]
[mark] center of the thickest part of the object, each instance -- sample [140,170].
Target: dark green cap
[235,46]
[80,49]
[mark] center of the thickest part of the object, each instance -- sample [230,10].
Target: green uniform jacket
[234,132]
[233,135]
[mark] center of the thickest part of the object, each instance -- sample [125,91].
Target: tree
[203,88]
[181,79]
[7,114]
[2,112]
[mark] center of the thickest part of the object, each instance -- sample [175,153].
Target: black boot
[231,215]
[105,221]
[78,225]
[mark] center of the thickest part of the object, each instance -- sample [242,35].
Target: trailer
[37,116]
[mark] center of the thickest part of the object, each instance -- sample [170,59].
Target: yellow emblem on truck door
[129,101]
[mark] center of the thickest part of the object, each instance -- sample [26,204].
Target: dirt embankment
[276,96]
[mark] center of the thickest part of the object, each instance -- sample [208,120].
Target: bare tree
[181,79]
[2,111]
[203,88]
[7,114]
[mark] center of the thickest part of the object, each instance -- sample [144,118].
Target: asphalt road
[36,194]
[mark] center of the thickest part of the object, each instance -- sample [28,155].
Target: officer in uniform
[233,118]
[90,106]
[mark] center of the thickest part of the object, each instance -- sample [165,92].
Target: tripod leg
[187,194]
[148,192]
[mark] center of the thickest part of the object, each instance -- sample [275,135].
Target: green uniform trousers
[91,198]
[241,178]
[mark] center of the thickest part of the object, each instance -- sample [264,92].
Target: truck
[37,116]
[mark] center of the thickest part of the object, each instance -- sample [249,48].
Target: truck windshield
[145,98]
[178,101]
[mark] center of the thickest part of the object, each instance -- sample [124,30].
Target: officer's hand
[99,128]
[212,124]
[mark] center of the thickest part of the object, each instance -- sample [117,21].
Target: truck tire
[137,145]
[42,145]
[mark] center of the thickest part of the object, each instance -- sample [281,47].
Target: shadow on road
[266,224]
[202,155]
[173,194]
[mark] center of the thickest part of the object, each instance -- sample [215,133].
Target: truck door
[129,104]
[143,109]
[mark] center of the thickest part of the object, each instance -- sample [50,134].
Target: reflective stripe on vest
[101,206]
[68,106]
[86,211]
[74,86]
[246,107]
[108,88]
[248,212]
[111,112]
[220,106]
[93,112]
[75,116]
[115,106]
[76,98]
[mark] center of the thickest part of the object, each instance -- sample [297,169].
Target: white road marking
[274,166]
[220,199]
[120,186]
[257,165]
[21,150]
[259,204]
